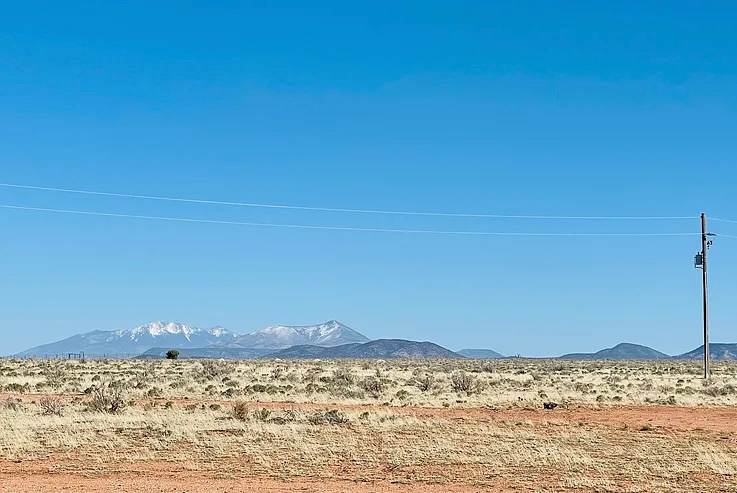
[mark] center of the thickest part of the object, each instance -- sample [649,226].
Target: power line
[332,228]
[723,220]
[333,209]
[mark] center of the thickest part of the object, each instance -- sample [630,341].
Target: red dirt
[69,474]
[166,477]
[680,418]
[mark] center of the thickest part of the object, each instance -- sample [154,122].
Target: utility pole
[702,263]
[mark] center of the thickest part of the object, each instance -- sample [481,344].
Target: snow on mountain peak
[155,329]
[218,331]
[331,333]
[131,342]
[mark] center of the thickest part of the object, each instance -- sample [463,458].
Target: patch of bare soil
[168,477]
[618,427]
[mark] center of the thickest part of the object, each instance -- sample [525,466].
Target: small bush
[212,368]
[425,382]
[342,376]
[373,386]
[17,388]
[332,417]
[11,404]
[240,411]
[262,414]
[335,417]
[172,354]
[462,381]
[107,398]
[56,375]
[51,406]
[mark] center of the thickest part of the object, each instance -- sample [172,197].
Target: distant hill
[380,348]
[134,341]
[480,354]
[717,350]
[207,353]
[331,333]
[622,351]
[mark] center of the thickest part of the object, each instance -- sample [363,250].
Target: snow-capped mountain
[136,341]
[332,333]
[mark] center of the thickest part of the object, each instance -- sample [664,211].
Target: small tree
[172,354]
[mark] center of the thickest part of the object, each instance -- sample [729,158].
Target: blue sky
[576,108]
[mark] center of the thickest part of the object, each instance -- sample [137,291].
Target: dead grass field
[366,426]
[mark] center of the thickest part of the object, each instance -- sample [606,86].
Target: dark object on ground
[550,405]
[172,354]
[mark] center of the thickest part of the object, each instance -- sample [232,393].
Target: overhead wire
[339,228]
[339,210]
[720,219]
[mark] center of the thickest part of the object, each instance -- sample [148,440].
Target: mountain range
[133,342]
[330,339]
[718,351]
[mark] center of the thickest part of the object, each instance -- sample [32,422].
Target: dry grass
[408,421]
[402,382]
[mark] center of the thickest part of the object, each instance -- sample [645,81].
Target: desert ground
[366,426]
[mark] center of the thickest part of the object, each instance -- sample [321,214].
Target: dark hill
[380,348]
[480,354]
[717,351]
[622,351]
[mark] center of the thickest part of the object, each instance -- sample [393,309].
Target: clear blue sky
[576,108]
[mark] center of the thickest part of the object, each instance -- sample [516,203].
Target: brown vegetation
[367,425]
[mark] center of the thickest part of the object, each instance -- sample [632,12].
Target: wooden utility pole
[705,243]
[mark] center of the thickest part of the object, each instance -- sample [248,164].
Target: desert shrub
[172,354]
[462,382]
[108,398]
[262,414]
[373,386]
[154,392]
[311,375]
[277,373]
[143,379]
[17,388]
[11,404]
[335,417]
[332,417]
[55,375]
[210,369]
[343,377]
[240,411]
[51,406]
